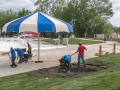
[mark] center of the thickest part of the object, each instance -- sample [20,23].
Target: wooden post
[114,48]
[42,36]
[100,50]
[117,35]
[94,36]
[85,35]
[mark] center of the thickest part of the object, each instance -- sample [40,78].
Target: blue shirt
[67,58]
[13,54]
[20,52]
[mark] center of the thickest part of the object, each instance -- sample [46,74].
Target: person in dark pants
[67,61]
[20,54]
[12,57]
[29,48]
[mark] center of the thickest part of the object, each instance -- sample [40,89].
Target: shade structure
[37,22]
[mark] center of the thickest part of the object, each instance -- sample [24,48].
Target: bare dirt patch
[53,72]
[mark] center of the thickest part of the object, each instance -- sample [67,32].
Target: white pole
[38,47]
[24,40]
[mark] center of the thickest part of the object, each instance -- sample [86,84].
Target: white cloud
[16,5]
[115,20]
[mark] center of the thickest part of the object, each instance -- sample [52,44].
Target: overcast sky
[16,5]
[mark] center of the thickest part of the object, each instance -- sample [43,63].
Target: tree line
[86,16]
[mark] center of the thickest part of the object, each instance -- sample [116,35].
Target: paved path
[50,58]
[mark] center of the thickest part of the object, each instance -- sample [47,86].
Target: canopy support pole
[39,47]
[24,40]
[38,50]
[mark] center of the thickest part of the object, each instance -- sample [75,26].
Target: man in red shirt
[80,51]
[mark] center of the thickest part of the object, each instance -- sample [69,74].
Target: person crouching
[67,62]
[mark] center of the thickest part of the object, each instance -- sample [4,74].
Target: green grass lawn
[74,41]
[108,79]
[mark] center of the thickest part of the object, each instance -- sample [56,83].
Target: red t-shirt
[81,50]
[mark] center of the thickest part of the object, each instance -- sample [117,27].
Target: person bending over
[20,55]
[67,62]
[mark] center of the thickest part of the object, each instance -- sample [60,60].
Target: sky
[16,5]
[115,20]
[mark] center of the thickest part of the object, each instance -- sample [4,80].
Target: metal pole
[24,40]
[38,50]
[38,47]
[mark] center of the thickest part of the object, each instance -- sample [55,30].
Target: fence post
[100,50]
[114,48]
[42,36]
[117,35]
[94,36]
[85,35]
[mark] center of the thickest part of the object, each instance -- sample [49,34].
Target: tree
[44,6]
[116,29]
[23,12]
[86,16]
[9,15]
[6,16]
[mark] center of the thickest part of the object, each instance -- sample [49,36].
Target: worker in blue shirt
[67,61]
[20,55]
[12,57]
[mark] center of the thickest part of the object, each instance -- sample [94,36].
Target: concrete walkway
[50,58]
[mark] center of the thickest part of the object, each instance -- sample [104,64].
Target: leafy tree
[9,15]
[116,29]
[23,12]
[6,16]
[44,6]
[86,16]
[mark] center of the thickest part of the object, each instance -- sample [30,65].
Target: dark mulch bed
[53,72]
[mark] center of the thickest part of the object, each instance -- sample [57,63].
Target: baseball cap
[80,43]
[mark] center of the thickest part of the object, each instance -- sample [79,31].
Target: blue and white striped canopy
[37,22]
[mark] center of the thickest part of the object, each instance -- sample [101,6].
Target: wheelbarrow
[27,57]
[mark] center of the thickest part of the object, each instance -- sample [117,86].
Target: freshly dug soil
[53,72]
